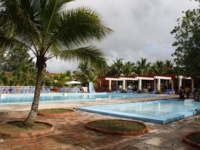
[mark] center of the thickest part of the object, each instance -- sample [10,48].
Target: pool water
[161,111]
[67,97]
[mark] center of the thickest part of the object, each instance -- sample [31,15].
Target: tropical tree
[116,68]
[4,79]
[23,75]
[187,35]
[61,79]
[48,30]
[142,67]
[86,73]
[128,68]
[15,59]
[169,66]
[158,67]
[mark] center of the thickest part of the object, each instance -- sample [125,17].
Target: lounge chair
[171,91]
[14,90]
[7,90]
[68,90]
[167,91]
[32,90]
[43,90]
[154,91]
[1,90]
[129,90]
[22,90]
[117,90]
[26,90]
[62,90]
[48,90]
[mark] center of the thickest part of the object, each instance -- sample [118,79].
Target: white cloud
[141,29]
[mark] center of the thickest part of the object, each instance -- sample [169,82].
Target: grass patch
[55,111]
[18,127]
[117,125]
[194,137]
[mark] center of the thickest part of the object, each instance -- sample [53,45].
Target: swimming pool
[161,111]
[67,97]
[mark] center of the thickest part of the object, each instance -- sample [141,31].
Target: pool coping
[91,97]
[165,119]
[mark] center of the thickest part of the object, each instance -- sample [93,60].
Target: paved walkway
[70,133]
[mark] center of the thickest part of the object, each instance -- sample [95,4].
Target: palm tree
[48,30]
[116,68]
[169,66]
[128,69]
[69,75]
[61,79]
[86,73]
[142,67]
[158,67]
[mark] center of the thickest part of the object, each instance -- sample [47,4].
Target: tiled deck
[70,133]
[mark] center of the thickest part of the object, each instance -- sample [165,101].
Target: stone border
[57,114]
[30,134]
[190,143]
[141,132]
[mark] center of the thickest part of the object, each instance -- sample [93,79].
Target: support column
[172,84]
[124,85]
[140,84]
[154,84]
[180,81]
[109,85]
[158,85]
[192,84]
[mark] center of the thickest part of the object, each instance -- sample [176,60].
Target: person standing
[187,91]
[181,93]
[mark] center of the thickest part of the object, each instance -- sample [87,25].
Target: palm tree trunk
[35,104]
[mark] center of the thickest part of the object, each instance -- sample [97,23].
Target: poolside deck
[70,133]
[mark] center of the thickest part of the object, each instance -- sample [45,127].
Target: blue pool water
[161,111]
[67,97]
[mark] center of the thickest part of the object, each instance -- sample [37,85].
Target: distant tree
[16,58]
[142,67]
[169,67]
[158,67]
[86,73]
[187,35]
[128,68]
[4,79]
[116,69]
[61,79]
[24,75]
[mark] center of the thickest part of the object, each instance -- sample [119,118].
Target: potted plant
[192,138]
[158,92]
[109,90]
[140,91]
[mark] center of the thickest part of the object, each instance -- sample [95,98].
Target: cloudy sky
[141,29]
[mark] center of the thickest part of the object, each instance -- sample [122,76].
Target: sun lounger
[169,91]
[7,90]
[129,90]
[32,90]
[22,90]
[43,90]
[48,90]
[154,91]
[14,90]
[26,90]
[62,90]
